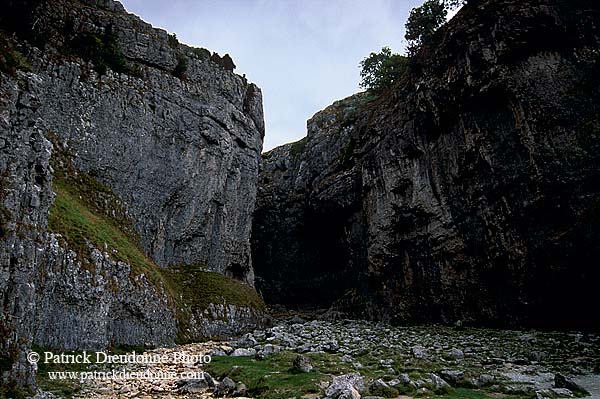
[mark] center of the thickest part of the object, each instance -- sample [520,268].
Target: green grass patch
[195,289]
[85,212]
[198,288]
[464,393]
[272,378]
[297,148]
[80,214]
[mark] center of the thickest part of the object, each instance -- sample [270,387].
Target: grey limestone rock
[182,155]
[347,386]
[302,363]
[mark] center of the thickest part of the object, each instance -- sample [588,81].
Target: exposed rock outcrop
[465,193]
[182,154]
[171,137]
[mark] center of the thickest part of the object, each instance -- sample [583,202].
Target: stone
[537,356]
[457,354]
[217,352]
[345,386]
[484,380]
[244,352]
[562,392]
[561,381]
[302,364]
[268,350]
[347,359]
[297,320]
[419,352]
[350,394]
[454,377]
[240,390]
[197,386]
[45,395]
[226,387]
[553,393]
[381,388]
[247,341]
[438,384]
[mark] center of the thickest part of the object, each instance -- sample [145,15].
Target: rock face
[182,154]
[175,136]
[308,195]
[78,307]
[465,193]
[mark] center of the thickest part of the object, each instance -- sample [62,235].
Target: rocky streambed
[354,359]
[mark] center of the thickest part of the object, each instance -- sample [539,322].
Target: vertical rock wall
[465,193]
[177,137]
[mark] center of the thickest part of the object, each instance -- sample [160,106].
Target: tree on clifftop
[382,69]
[423,21]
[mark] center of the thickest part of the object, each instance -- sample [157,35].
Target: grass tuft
[272,378]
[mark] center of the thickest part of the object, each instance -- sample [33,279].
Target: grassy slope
[86,211]
[195,289]
[82,214]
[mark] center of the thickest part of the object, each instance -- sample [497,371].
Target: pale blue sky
[303,54]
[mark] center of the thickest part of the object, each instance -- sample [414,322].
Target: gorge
[138,211]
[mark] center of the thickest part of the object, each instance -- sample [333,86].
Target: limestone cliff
[128,166]
[467,192]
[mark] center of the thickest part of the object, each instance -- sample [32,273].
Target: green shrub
[297,148]
[425,20]
[11,60]
[201,53]
[173,41]
[104,51]
[180,70]
[381,70]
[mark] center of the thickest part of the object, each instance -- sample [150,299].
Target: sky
[303,54]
